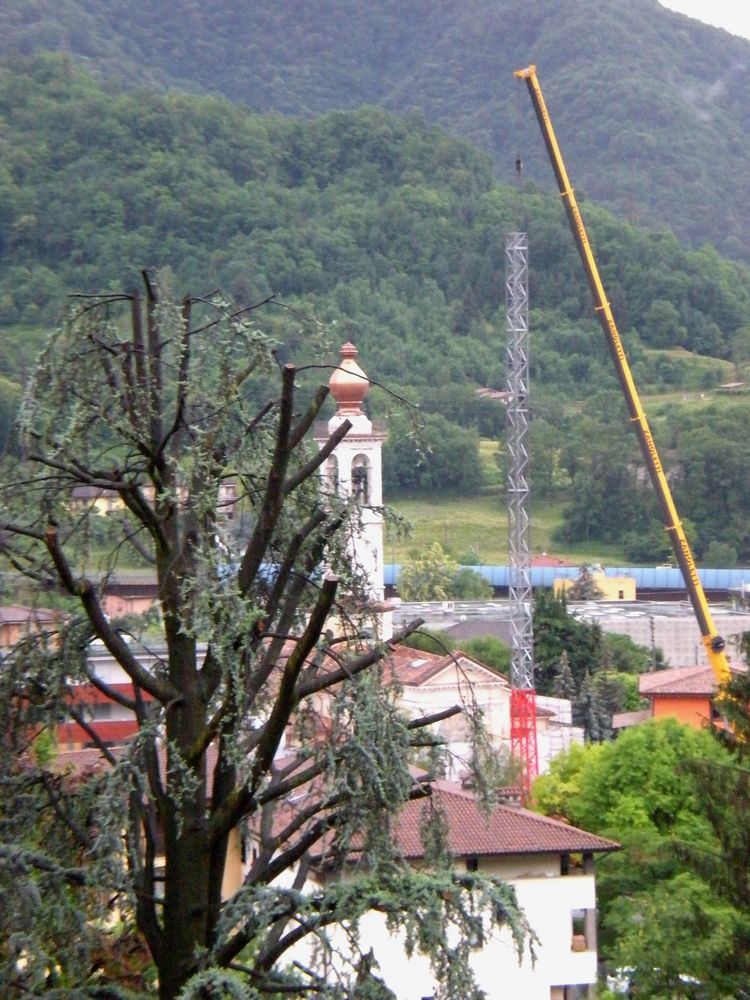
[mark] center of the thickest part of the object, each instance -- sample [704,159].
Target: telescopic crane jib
[713,642]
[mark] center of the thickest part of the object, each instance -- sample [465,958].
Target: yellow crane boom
[713,642]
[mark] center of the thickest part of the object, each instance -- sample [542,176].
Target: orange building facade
[683,693]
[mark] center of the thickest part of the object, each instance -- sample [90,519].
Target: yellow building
[105,501]
[605,588]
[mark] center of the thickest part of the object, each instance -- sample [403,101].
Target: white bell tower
[355,470]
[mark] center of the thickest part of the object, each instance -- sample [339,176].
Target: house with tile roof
[84,762]
[107,501]
[17,621]
[93,713]
[431,682]
[549,864]
[684,693]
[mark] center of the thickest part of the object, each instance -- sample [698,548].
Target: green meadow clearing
[474,530]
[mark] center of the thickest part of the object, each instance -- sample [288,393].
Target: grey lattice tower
[523,702]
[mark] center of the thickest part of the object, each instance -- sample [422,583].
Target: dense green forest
[391,233]
[387,224]
[651,107]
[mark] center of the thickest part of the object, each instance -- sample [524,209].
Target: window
[472,864]
[101,710]
[578,927]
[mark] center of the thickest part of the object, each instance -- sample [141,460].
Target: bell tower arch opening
[361,479]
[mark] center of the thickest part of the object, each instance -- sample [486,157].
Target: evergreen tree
[555,631]
[259,647]
[584,587]
[563,685]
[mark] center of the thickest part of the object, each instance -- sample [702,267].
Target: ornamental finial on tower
[348,384]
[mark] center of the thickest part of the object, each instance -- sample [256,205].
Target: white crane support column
[523,701]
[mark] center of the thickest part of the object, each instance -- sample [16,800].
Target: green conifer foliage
[157,403]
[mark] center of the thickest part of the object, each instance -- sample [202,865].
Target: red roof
[87,759]
[413,667]
[623,720]
[698,680]
[506,830]
[545,560]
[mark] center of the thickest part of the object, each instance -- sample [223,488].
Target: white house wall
[548,903]
[452,686]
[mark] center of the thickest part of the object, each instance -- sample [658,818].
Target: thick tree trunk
[186,844]
[187,854]
[186,902]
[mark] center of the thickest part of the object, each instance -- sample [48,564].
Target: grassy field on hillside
[691,371]
[474,530]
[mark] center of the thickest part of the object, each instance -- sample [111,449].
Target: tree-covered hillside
[385,226]
[388,231]
[651,107]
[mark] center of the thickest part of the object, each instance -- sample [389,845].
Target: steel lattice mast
[523,699]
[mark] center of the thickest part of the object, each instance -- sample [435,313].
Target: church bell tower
[354,470]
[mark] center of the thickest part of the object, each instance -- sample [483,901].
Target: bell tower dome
[348,384]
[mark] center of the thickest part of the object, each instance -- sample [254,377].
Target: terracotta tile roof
[84,761]
[507,830]
[413,667]
[679,681]
[91,759]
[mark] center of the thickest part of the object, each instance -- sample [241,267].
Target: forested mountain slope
[392,233]
[652,108]
[389,227]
